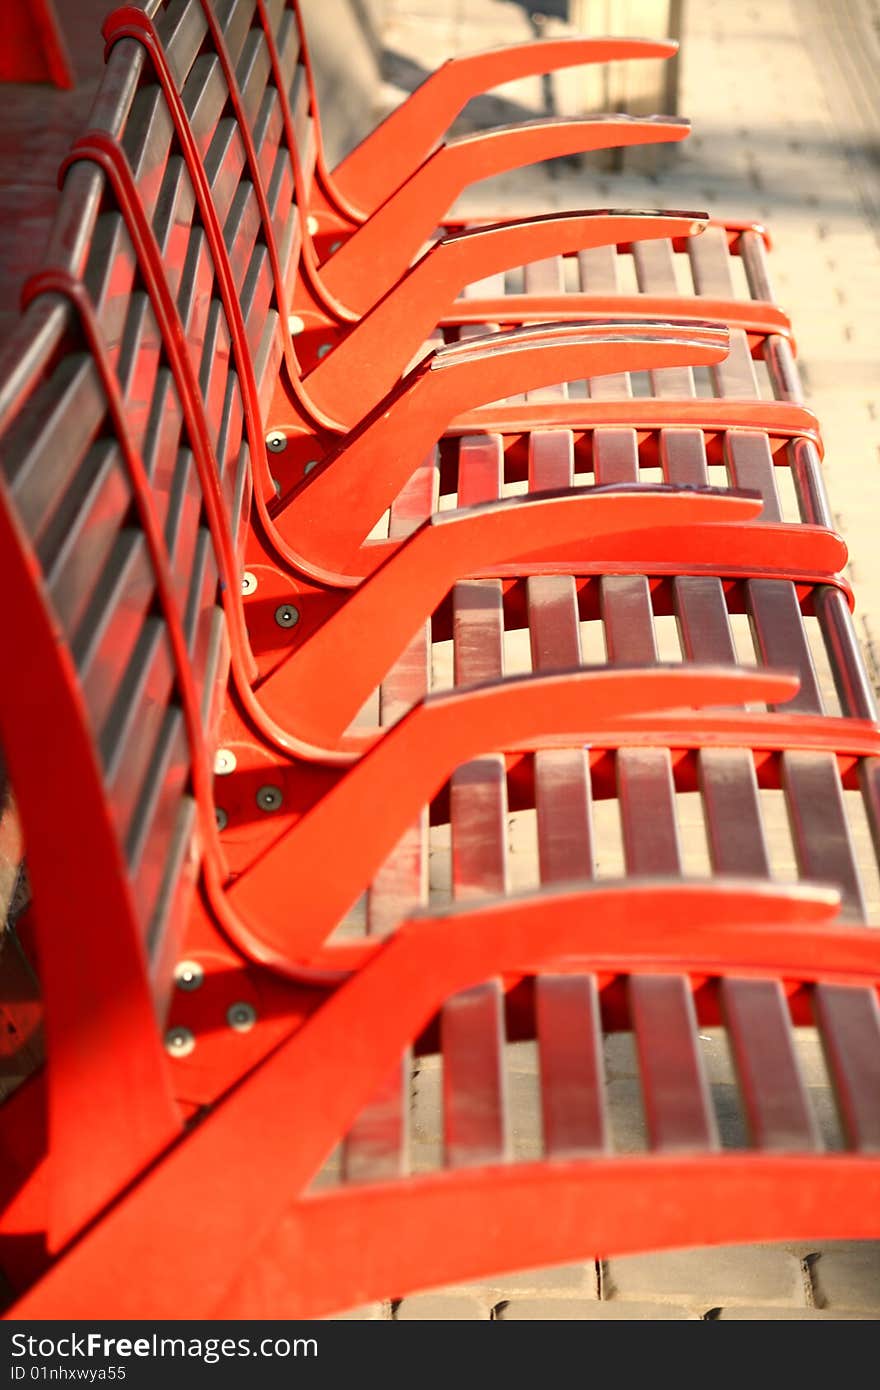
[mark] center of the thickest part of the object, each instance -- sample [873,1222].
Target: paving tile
[437,1307]
[718,1276]
[846,1274]
[573,1309]
[765,1313]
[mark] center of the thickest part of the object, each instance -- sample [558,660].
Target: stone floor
[785,129]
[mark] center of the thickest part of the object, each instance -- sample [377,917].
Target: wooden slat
[472,1042]
[569,1031]
[849,1024]
[710,264]
[375,1148]
[776,1103]
[750,465]
[678,1107]
[778,630]
[655,273]
[819,827]
[731,805]
[597,272]
[682,453]
[616,456]
[402,881]
[703,621]
[735,374]
[471,1024]
[562,782]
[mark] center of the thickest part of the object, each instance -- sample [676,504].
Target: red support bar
[643,528]
[756,317]
[333,1064]
[389,154]
[429,742]
[369,360]
[376,255]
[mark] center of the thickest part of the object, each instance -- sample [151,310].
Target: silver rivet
[179,1042]
[241,1017]
[277,486]
[335,246]
[248,582]
[295,324]
[188,974]
[221,818]
[312,224]
[286,615]
[312,463]
[269,798]
[276,441]
[324,349]
[225,762]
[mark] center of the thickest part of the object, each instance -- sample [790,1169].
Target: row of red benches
[260,458]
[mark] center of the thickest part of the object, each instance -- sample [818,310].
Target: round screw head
[221,818]
[324,349]
[277,486]
[179,1042]
[286,615]
[312,463]
[241,1017]
[248,582]
[188,975]
[276,441]
[334,246]
[269,798]
[295,324]
[225,762]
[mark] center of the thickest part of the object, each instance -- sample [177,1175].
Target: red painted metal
[97,1148]
[32,47]
[407,316]
[389,154]
[405,221]
[86,957]
[333,1064]
[593,530]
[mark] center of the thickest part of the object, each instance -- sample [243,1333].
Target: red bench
[200,647]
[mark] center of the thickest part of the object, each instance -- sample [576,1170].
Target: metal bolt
[312,463]
[312,224]
[277,486]
[248,582]
[324,349]
[295,324]
[179,1042]
[269,798]
[276,441]
[225,762]
[334,246]
[241,1017]
[188,975]
[221,818]
[286,615]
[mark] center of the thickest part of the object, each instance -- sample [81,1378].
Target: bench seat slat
[775,1098]
[678,1107]
[849,1023]
[569,1028]
[474,1119]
